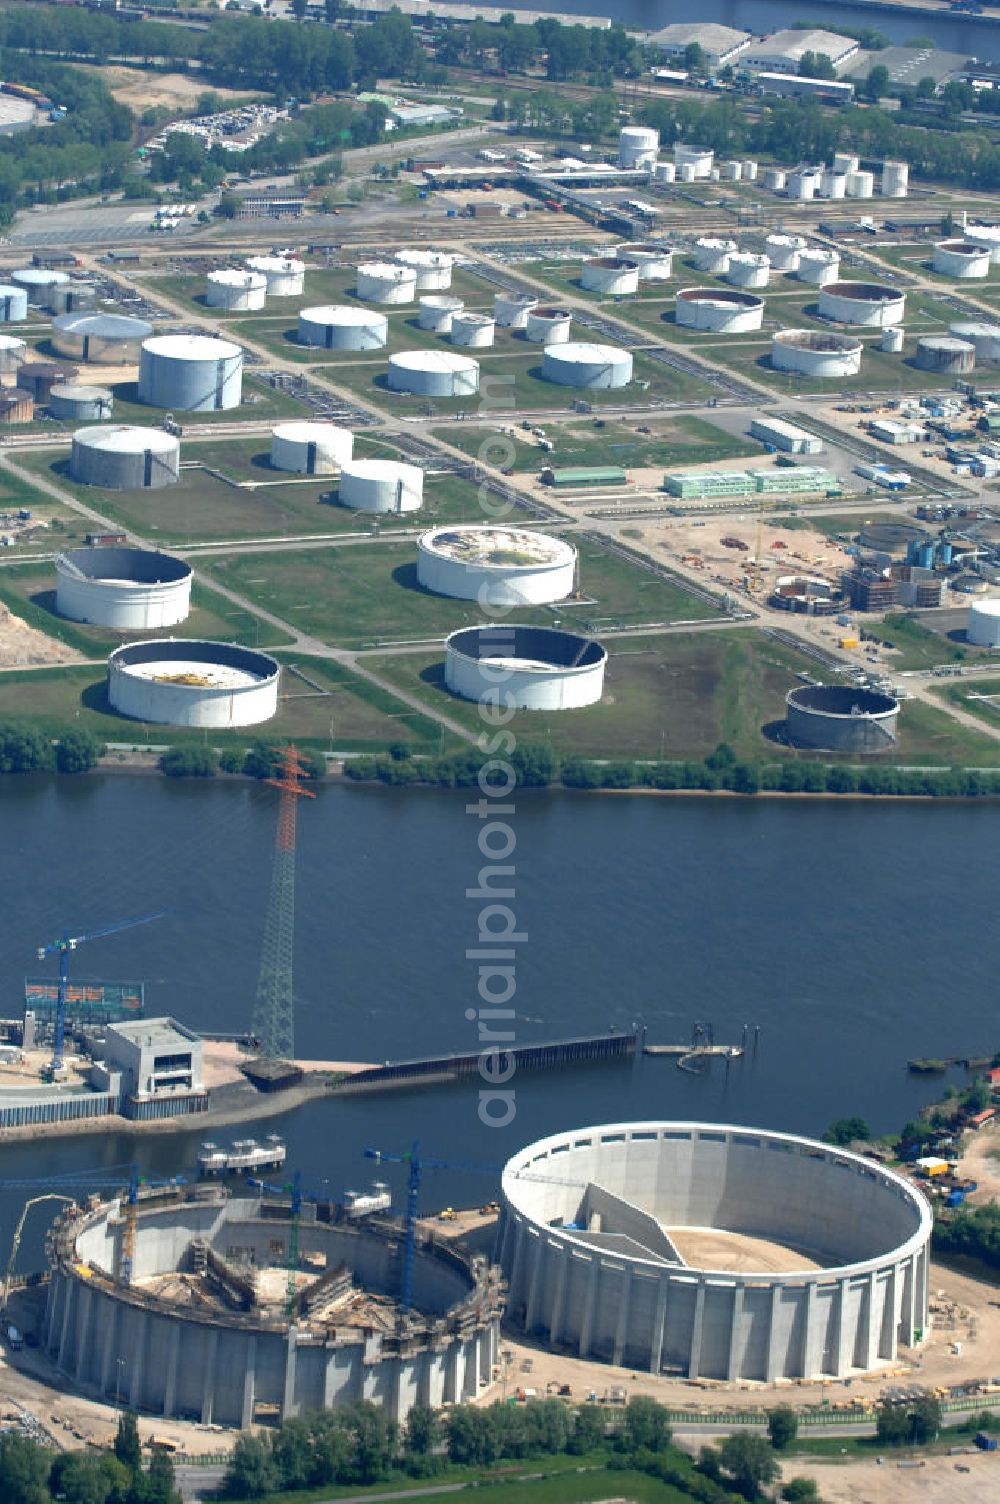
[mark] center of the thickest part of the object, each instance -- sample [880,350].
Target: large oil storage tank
[129,589]
[236,291]
[75,402]
[712,255]
[961,258]
[39,283]
[895,179]
[13,353]
[655,261]
[587,366]
[105,339]
[123,458]
[16,406]
[803,183]
[381,486]
[437,311]
[784,251]
[841,718]
[748,270]
[945,353]
[818,267]
[719,310]
[775,179]
[610,275]
[339,327]
[845,162]
[39,377]
[638,146]
[860,184]
[987,236]
[73,297]
[810,352]
[833,184]
[865,303]
[642,1244]
[511,309]
[432,269]
[285,275]
[982,625]
[893,339]
[310,448]
[985,337]
[536,668]
[384,282]
[175,681]
[548,326]
[433,373]
[475,330]
[497,566]
[190,373]
[13,304]
[664,172]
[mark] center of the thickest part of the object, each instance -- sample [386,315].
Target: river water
[853,934]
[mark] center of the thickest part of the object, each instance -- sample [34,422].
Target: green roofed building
[695,483]
[586,475]
[786,481]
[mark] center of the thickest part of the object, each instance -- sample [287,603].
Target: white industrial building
[127,589]
[785,436]
[343,327]
[175,681]
[381,486]
[784,51]
[306,448]
[720,44]
[150,1058]
[497,566]
[535,668]
[634,1244]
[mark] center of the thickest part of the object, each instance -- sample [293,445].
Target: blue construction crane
[62,948]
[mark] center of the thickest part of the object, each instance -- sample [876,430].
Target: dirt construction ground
[971,1479]
[21,645]
[141,90]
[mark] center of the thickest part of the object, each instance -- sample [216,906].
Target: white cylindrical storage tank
[833,184]
[511,309]
[496,566]
[342,327]
[664,172]
[13,304]
[775,179]
[73,297]
[129,589]
[895,179]
[190,373]
[810,352]
[714,175]
[655,262]
[845,162]
[892,340]
[39,283]
[386,282]
[784,251]
[982,626]
[587,366]
[433,373]
[718,310]
[610,275]
[712,255]
[961,258]
[173,681]
[310,448]
[731,172]
[432,269]
[381,486]
[749,171]
[944,353]
[748,270]
[818,267]
[103,339]
[987,236]
[685,171]
[235,291]
[13,354]
[985,338]
[548,326]
[860,184]
[437,311]
[475,330]
[638,146]
[285,275]
[870,303]
[124,458]
[73,402]
[536,668]
[802,185]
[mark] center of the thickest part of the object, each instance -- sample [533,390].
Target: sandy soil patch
[22,646]
[712,1248]
[140,89]
[978,1163]
[939,1481]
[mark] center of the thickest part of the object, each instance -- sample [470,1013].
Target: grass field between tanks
[978,697]
[594,441]
[204,508]
[677,696]
[29,591]
[367,594]
[323,286]
[917,646]
[330,706]
[280,336]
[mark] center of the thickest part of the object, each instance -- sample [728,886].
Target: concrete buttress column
[288,1406]
[249,1381]
[737,1334]
[870,1340]
[208,1377]
[68,1302]
[110,1349]
[775,1340]
[845,1353]
[537,1265]
[559,1300]
[811,1357]
[694,1354]
[137,1366]
[621,1326]
[589,1307]
[659,1322]
[83,1335]
[173,1367]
